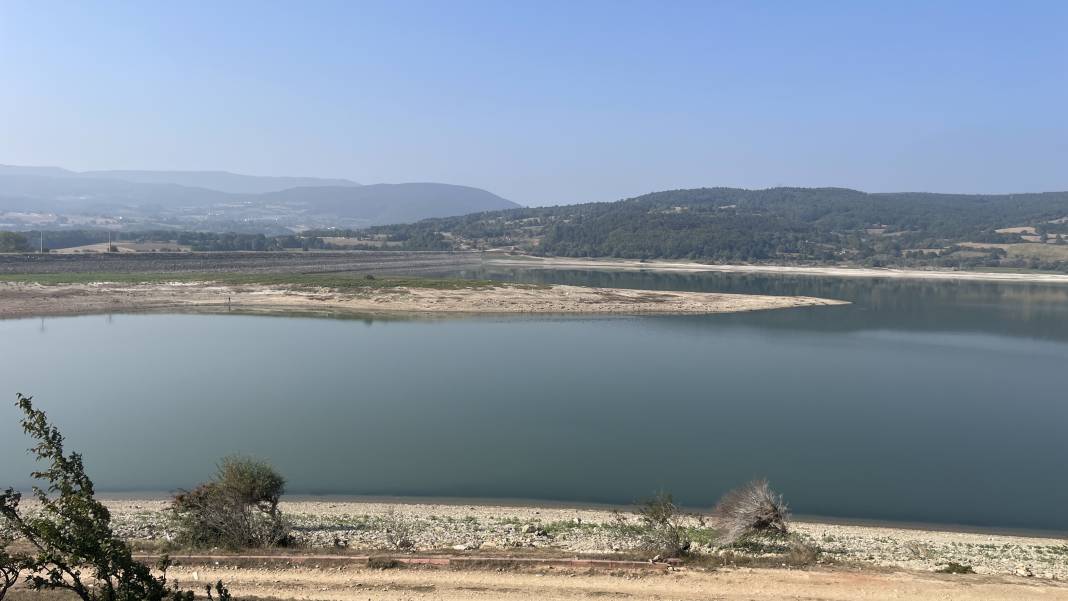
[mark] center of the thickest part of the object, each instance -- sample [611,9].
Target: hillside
[54,198]
[393,203]
[779,225]
[222,181]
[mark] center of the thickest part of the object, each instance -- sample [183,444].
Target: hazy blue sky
[546,102]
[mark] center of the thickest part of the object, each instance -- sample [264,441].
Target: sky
[547,102]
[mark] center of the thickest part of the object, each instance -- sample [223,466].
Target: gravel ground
[430,527]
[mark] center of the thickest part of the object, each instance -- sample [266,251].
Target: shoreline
[553,505]
[482,527]
[817,271]
[27,298]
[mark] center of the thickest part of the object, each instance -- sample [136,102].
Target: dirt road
[819,271]
[351,584]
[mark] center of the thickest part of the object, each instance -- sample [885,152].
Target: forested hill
[811,225]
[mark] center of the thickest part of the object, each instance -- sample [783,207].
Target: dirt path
[854,272]
[22,299]
[351,584]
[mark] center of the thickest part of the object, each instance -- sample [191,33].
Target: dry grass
[1027,250]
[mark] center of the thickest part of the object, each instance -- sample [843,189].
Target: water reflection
[1013,309]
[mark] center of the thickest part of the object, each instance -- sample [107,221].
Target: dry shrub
[238,509]
[753,509]
[802,553]
[664,531]
[400,530]
[955,568]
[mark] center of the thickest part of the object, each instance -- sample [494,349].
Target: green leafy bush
[238,509]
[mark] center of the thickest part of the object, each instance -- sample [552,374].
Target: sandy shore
[23,299]
[576,531]
[845,272]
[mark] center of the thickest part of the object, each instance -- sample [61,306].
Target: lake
[923,401]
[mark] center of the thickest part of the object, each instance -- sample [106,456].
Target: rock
[1024,571]
[464,547]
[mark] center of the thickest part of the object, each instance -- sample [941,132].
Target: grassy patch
[1027,250]
[343,282]
[561,527]
[702,536]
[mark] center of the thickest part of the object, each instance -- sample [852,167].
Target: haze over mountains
[220,201]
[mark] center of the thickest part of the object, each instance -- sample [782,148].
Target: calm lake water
[923,401]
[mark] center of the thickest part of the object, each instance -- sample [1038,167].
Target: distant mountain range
[220,201]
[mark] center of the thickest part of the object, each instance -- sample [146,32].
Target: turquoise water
[939,402]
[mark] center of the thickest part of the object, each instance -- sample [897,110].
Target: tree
[11,242]
[73,545]
[10,565]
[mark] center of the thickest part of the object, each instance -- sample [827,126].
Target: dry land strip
[821,271]
[71,294]
[343,552]
[353,583]
[560,531]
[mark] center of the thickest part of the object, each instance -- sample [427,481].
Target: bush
[73,546]
[663,530]
[753,509]
[955,568]
[238,509]
[400,531]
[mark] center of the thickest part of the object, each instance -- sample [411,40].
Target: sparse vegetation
[664,532]
[382,563]
[753,509]
[955,568]
[238,509]
[400,531]
[71,544]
